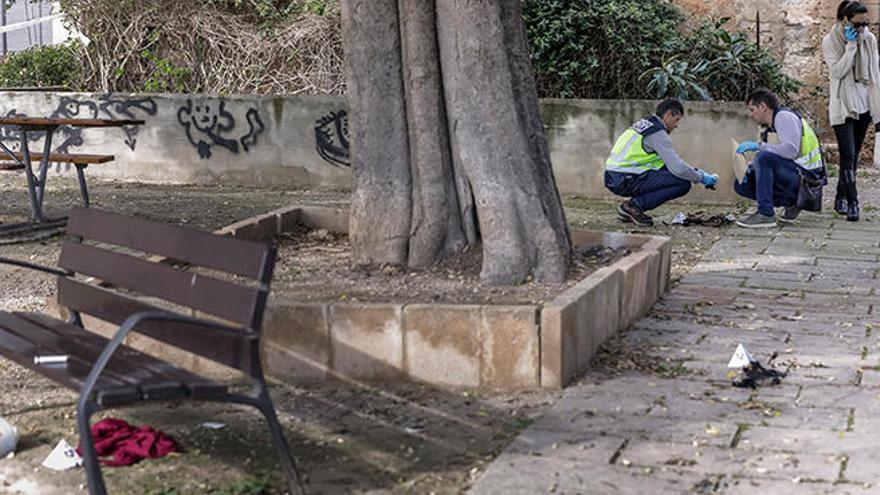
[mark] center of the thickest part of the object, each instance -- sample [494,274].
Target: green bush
[39,67]
[598,49]
[621,49]
[736,64]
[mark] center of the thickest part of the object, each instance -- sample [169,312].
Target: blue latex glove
[747,146]
[850,33]
[709,180]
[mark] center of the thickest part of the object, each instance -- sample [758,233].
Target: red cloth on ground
[127,444]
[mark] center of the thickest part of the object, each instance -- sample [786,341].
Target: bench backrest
[225,277]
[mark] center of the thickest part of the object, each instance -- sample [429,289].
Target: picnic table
[36,179]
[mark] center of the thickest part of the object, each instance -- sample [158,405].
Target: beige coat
[840,65]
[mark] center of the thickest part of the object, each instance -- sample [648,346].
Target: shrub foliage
[618,49]
[606,49]
[41,67]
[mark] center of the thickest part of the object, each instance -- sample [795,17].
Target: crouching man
[774,177]
[644,167]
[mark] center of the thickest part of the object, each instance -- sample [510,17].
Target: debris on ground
[118,443]
[702,218]
[617,355]
[62,457]
[316,265]
[753,374]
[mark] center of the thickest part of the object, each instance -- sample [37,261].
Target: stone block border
[458,346]
[443,345]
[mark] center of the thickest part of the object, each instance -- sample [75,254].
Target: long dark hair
[849,9]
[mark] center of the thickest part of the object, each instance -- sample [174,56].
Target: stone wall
[581,133]
[199,138]
[301,141]
[792,30]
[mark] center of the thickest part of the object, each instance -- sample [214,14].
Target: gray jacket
[660,143]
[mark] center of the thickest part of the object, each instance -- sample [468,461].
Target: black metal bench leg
[294,480]
[260,399]
[84,411]
[80,173]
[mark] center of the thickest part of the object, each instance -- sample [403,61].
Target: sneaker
[757,221]
[631,213]
[789,214]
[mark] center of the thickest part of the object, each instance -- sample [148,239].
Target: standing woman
[850,51]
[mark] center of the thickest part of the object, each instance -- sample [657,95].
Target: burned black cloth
[755,375]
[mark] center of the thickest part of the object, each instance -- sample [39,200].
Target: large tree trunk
[447,144]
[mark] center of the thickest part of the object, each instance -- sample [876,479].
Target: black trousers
[850,136]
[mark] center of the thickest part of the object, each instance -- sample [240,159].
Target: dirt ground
[348,437]
[315,265]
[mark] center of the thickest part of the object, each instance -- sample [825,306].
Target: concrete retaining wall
[459,346]
[302,141]
[449,346]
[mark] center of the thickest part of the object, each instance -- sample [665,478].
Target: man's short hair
[763,95]
[669,105]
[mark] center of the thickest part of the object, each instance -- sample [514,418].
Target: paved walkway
[807,291]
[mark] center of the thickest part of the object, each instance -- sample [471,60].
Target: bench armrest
[33,266]
[130,324]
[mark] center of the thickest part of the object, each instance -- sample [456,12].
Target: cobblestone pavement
[807,291]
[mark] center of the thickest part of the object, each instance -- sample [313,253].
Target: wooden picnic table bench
[79,160]
[98,275]
[36,178]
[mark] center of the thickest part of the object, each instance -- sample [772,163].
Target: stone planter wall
[458,346]
[447,346]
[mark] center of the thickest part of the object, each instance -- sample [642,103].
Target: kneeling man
[644,167]
[774,177]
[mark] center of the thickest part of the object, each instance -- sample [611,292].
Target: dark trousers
[850,136]
[772,181]
[648,190]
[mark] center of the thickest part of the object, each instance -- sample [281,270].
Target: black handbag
[810,192]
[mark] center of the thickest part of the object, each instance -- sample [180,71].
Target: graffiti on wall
[107,106]
[331,138]
[103,107]
[208,124]
[12,137]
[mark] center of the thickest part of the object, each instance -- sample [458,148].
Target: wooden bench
[99,276]
[79,160]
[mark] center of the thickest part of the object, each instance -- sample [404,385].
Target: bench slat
[130,375]
[230,350]
[86,347]
[157,379]
[78,158]
[72,376]
[227,254]
[217,297]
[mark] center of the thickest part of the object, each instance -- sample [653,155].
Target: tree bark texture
[448,148]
